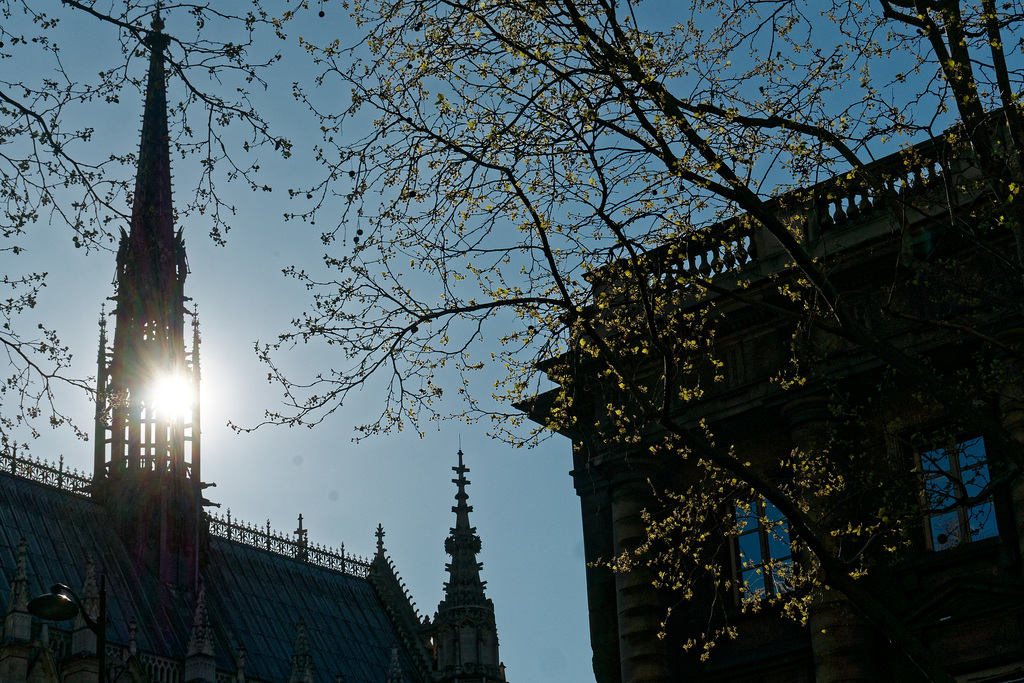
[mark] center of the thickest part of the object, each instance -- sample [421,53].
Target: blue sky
[525,509]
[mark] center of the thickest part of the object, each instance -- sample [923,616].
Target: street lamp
[62,603]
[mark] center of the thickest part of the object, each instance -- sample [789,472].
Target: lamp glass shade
[53,607]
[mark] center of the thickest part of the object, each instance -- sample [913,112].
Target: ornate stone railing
[264,538]
[297,546]
[45,473]
[913,178]
[906,177]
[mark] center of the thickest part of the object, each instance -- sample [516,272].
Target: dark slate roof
[254,598]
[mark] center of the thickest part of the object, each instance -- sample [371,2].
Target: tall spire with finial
[148,472]
[464,586]
[464,630]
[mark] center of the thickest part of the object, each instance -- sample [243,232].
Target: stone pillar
[640,611]
[598,549]
[845,646]
[1012,407]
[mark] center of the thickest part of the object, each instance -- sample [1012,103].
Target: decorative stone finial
[19,589]
[18,624]
[82,638]
[395,667]
[240,664]
[201,638]
[302,542]
[200,664]
[133,643]
[302,660]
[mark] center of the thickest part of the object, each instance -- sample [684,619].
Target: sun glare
[172,397]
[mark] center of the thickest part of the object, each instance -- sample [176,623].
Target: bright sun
[172,397]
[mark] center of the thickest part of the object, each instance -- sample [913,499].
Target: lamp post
[62,603]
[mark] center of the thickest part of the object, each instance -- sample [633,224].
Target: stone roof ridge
[399,604]
[398,582]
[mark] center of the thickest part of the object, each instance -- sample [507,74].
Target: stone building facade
[927,286]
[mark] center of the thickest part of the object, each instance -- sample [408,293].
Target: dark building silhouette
[959,583]
[191,596]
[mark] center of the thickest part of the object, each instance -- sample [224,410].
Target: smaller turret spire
[200,663]
[302,659]
[83,639]
[394,667]
[18,622]
[464,585]
[200,640]
[465,605]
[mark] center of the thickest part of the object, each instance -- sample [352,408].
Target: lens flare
[172,397]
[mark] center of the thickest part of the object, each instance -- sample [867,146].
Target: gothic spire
[147,424]
[152,226]
[149,343]
[465,606]
[464,586]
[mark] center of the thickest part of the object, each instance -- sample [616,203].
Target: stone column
[640,611]
[598,549]
[845,646]
[1012,407]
